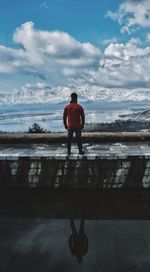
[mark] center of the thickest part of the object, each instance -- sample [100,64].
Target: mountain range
[87,93]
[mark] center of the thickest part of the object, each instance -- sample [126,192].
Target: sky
[102,43]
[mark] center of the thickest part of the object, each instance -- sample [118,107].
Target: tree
[36,128]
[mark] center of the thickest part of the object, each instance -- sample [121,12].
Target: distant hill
[140,116]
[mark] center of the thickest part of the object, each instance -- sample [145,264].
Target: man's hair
[74,96]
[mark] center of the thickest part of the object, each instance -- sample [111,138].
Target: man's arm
[82,118]
[65,117]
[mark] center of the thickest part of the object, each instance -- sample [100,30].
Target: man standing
[74,120]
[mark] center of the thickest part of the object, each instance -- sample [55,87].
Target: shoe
[81,152]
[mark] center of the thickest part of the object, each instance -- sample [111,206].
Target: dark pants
[78,138]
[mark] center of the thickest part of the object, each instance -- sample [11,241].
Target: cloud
[131,15]
[49,54]
[44,5]
[58,58]
[108,41]
[126,51]
[124,66]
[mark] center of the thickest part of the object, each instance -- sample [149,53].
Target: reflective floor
[74,245]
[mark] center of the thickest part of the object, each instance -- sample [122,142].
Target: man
[74,120]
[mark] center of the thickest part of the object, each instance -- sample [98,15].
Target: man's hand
[66,127]
[82,126]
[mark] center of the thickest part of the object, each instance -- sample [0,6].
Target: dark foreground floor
[43,245]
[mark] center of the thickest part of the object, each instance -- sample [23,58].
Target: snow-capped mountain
[42,93]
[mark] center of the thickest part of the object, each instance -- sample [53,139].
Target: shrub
[36,128]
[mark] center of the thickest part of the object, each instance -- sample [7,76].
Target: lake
[18,118]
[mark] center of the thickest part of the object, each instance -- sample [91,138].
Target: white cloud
[123,66]
[44,5]
[48,54]
[108,41]
[126,51]
[132,14]
[58,58]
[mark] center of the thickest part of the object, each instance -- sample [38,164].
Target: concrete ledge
[91,137]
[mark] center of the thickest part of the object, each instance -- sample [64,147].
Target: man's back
[74,120]
[75,114]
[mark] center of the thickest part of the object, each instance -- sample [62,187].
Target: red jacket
[75,115]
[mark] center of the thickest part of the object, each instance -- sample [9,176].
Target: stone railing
[94,137]
[60,172]
[112,180]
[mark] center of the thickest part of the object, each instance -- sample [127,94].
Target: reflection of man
[74,120]
[78,242]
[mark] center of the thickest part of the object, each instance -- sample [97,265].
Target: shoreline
[116,126]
